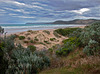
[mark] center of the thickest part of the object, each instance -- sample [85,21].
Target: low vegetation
[48,32]
[80,53]
[20,60]
[46,42]
[52,39]
[65,31]
[32,48]
[21,37]
[69,45]
[56,34]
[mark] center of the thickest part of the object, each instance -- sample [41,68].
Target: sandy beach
[42,39]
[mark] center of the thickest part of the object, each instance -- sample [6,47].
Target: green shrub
[48,32]
[56,34]
[31,41]
[32,48]
[50,49]
[26,62]
[41,43]
[65,31]
[52,39]
[76,33]
[3,63]
[92,48]
[73,40]
[6,46]
[69,45]
[90,37]
[47,42]
[18,60]
[36,39]
[1,30]
[13,37]
[21,37]
[15,59]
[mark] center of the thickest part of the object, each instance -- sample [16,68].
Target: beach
[43,39]
[15,28]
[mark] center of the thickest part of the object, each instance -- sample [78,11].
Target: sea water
[13,28]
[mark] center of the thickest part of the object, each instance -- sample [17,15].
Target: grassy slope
[77,63]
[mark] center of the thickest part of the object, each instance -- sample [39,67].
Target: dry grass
[76,62]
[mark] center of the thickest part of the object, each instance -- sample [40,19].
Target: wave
[38,26]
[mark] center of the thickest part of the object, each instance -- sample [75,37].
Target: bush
[32,48]
[73,40]
[15,59]
[69,45]
[21,37]
[46,32]
[90,37]
[47,42]
[92,48]
[31,41]
[26,62]
[50,49]
[18,60]
[41,43]
[52,39]
[6,46]
[1,30]
[36,39]
[56,34]
[76,33]
[66,31]
[3,63]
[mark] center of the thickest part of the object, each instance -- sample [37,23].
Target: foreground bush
[90,37]
[6,46]
[27,62]
[1,30]
[19,60]
[15,59]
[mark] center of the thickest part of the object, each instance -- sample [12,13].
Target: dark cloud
[73,4]
[19,11]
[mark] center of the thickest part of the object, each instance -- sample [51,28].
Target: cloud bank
[22,11]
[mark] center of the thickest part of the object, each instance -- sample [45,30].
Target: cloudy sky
[23,11]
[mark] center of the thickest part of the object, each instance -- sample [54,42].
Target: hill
[76,21]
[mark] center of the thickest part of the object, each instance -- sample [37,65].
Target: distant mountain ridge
[76,21]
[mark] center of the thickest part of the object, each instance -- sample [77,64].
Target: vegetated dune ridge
[42,39]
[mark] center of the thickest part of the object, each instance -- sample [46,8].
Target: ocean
[13,28]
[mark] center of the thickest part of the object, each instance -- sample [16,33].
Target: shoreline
[19,30]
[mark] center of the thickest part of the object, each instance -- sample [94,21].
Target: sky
[25,11]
